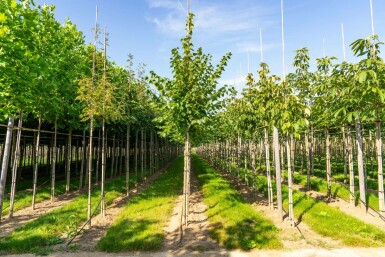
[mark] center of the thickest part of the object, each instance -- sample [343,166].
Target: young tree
[190,99]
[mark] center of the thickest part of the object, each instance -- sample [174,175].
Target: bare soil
[20,217]
[195,237]
[88,239]
[293,238]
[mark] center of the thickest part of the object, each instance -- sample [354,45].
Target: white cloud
[210,19]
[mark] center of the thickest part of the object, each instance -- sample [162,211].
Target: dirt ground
[298,242]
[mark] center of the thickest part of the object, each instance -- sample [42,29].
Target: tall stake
[277,172]
[4,165]
[343,41]
[15,165]
[53,167]
[371,16]
[260,41]
[92,124]
[103,202]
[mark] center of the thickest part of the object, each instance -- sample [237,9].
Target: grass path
[140,225]
[234,223]
[49,229]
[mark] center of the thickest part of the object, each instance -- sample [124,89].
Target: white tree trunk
[361,173]
[278,171]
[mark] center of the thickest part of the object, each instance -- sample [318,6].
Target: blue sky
[149,29]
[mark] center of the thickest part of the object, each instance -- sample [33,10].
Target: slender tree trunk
[328,165]
[187,171]
[69,160]
[308,164]
[5,162]
[98,152]
[15,165]
[53,167]
[36,164]
[381,203]
[103,203]
[136,158]
[290,182]
[361,173]
[344,151]
[112,157]
[90,173]
[278,172]
[141,155]
[269,183]
[83,153]
[351,170]
[128,160]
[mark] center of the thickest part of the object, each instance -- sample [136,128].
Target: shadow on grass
[234,223]
[133,235]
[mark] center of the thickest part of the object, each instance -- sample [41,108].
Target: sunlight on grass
[326,220]
[62,222]
[140,225]
[234,223]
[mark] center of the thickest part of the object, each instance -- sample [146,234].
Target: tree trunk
[290,181]
[328,165]
[69,159]
[90,173]
[103,203]
[381,203]
[136,158]
[360,164]
[112,157]
[351,170]
[36,164]
[308,164]
[53,167]
[98,152]
[128,160]
[278,172]
[187,171]
[141,155]
[268,175]
[83,153]
[15,165]
[344,155]
[5,163]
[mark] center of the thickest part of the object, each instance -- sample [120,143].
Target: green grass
[338,190]
[49,228]
[326,220]
[140,225]
[24,198]
[234,223]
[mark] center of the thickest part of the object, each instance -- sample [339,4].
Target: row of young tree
[52,80]
[338,97]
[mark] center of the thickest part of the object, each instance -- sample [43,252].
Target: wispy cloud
[210,19]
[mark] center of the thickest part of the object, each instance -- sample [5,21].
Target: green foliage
[192,97]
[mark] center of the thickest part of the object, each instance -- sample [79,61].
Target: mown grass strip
[24,198]
[338,190]
[234,223]
[140,225]
[64,221]
[326,220]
